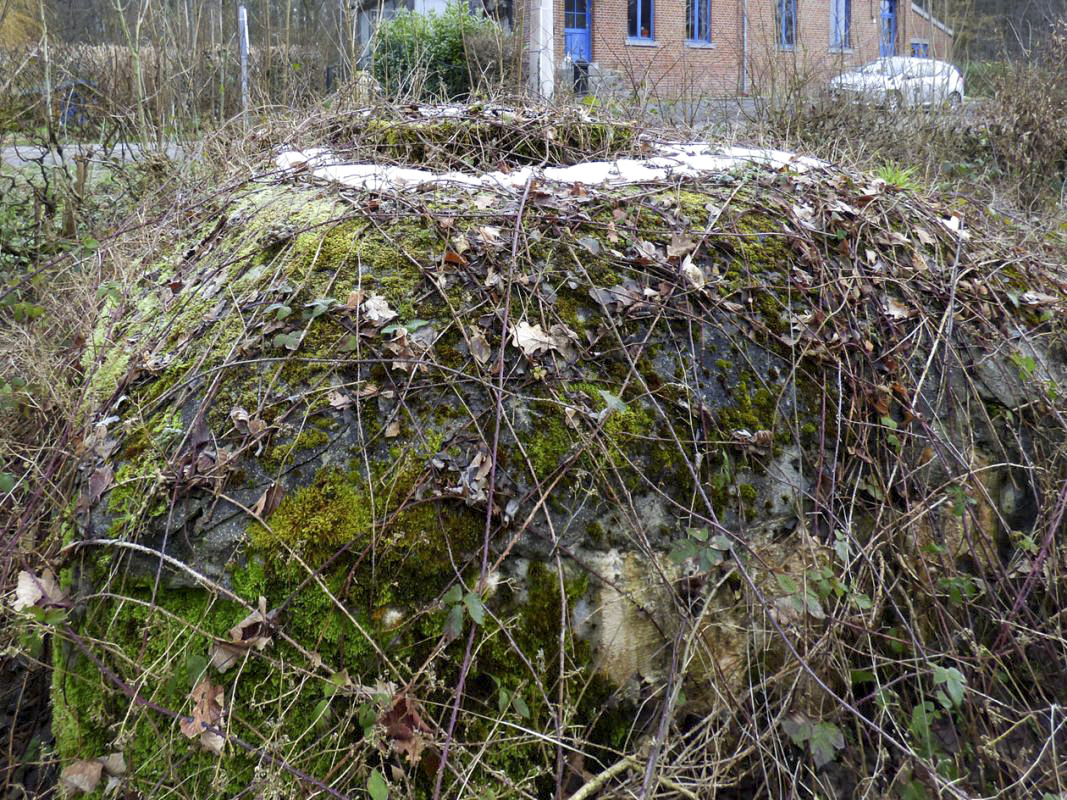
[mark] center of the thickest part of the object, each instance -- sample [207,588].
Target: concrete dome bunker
[309,393]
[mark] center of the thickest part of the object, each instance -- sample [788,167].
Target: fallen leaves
[680,246]
[473,481]
[253,632]
[758,440]
[208,706]
[338,400]
[533,341]
[99,482]
[405,728]
[693,274]
[479,348]
[269,501]
[896,309]
[245,423]
[81,776]
[376,311]
[38,591]
[84,775]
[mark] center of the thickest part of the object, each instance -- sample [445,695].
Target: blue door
[888,38]
[576,19]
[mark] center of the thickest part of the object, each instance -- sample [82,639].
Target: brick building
[717,48]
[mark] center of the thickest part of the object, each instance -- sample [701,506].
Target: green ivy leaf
[813,605]
[32,643]
[320,711]
[195,666]
[367,716]
[279,310]
[290,341]
[475,608]
[825,740]
[862,676]
[700,534]
[841,548]
[335,682]
[316,308]
[377,788]
[612,403]
[722,543]
[683,550]
[922,717]
[789,586]
[454,622]
[710,558]
[7,482]
[520,706]
[56,616]
[952,681]
[453,595]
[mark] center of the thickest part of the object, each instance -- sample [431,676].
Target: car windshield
[887,66]
[875,68]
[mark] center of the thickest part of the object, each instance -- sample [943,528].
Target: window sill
[841,50]
[787,48]
[631,42]
[698,45]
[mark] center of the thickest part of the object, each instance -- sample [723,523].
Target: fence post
[242,38]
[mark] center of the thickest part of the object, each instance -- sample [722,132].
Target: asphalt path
[29,155]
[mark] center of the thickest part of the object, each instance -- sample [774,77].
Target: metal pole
[342,36]
[242,38]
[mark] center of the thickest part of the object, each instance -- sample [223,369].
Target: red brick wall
[672,67]
[813,59]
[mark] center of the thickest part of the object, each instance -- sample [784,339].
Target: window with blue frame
[840,24]
[785,22]
[698,21]
[639,19]
[920,49]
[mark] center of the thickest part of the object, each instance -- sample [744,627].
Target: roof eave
[922,12]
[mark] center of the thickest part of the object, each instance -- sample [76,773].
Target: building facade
[717,48]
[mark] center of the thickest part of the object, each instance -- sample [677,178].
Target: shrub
[426,56]
[1028,125]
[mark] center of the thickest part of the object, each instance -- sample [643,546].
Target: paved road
[26,155]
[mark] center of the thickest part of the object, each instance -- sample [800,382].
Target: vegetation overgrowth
[946,647]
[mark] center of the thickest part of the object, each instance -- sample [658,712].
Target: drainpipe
[544,71]
[744,48]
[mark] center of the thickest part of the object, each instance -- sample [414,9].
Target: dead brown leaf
[100,482]
[269,501]
[38,590]
[404,727]
[452,257]
[680,246]
[376,310]
[208,705]
[81,776]
[253,632]
[480,348]
[339,399]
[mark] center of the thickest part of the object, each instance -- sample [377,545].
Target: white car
[900,81]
